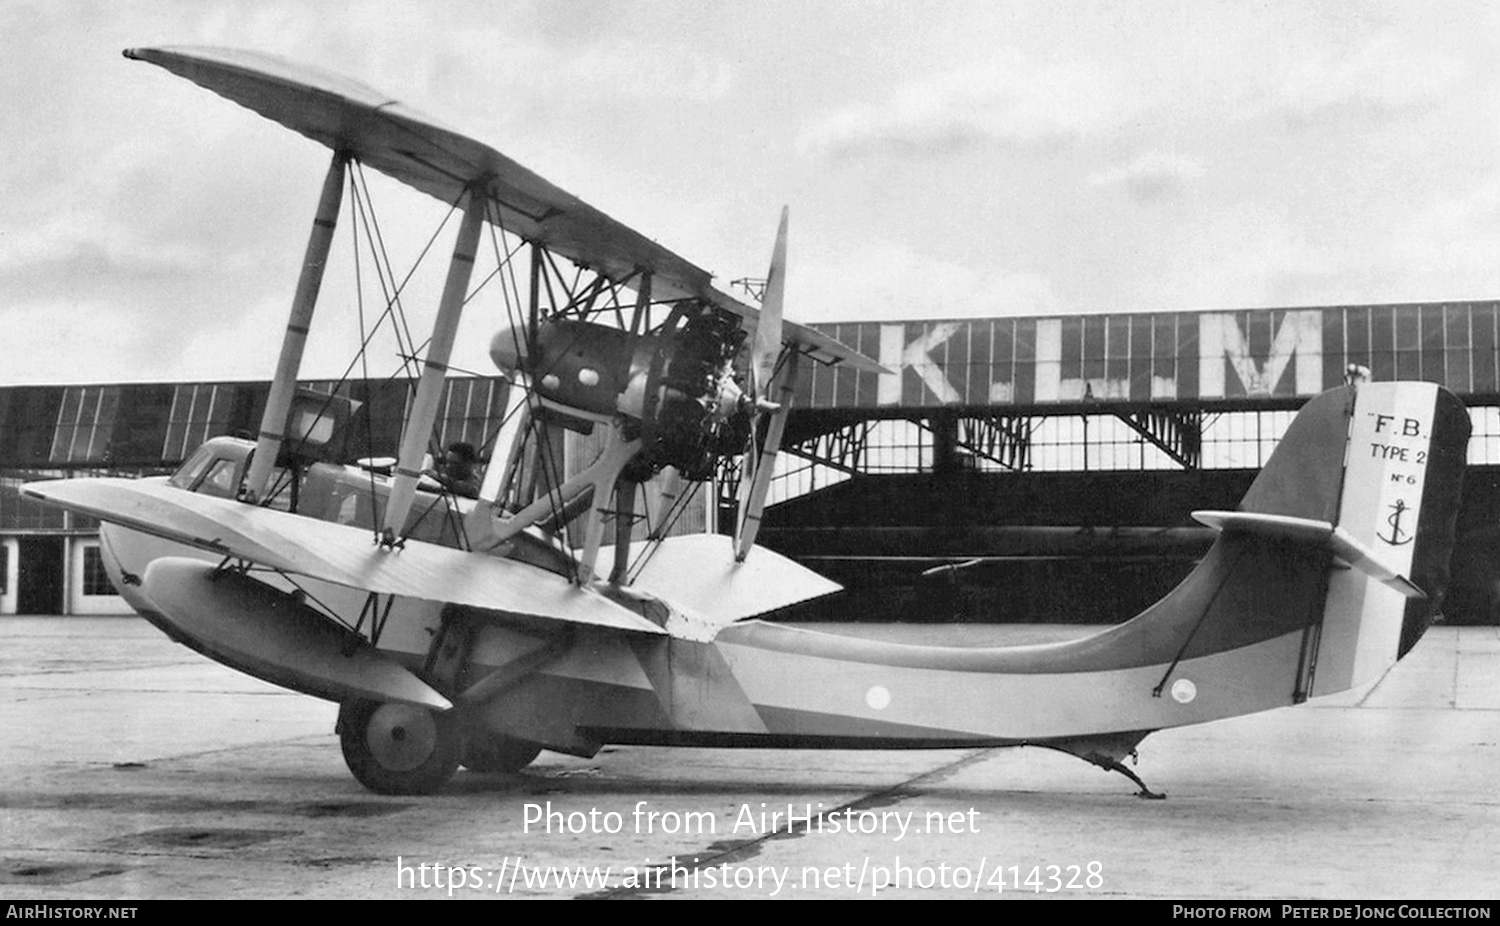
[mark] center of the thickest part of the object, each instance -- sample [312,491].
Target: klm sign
[1160,356]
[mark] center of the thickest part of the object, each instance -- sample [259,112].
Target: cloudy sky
[941,159]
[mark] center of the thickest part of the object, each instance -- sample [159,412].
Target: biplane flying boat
[547,614]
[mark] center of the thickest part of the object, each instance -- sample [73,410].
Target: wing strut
[434,369]
[279,403]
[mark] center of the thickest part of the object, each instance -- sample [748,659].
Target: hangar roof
[156,425]
[1034,363]
[1160,356]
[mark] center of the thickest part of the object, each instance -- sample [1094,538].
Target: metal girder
[1001,439]
[842,449]
[1177,434]
[1004,440]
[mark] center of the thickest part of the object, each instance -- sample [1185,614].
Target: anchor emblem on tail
[1398,536]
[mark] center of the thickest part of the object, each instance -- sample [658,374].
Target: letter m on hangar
[1249,353]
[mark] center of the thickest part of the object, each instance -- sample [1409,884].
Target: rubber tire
[491,753]
[422,774]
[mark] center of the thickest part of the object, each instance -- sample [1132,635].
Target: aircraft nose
[507,348]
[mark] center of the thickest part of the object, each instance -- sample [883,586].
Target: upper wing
[337,553]
[348,116]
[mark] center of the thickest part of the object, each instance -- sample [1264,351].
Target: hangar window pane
[451,411]
[1484,442]
[104,424]
[67,422]
[95,578]
[17,512]
[1081,443]
[77,448]
[898,446]
[1057,444]
[470,407]
[85,421]
[199,411]
[1243,440]
[797,476]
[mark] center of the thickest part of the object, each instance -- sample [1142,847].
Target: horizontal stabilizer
[273,636]
[1308,532]
[337,553]
[698,573]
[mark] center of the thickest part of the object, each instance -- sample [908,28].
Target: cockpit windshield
[192,468]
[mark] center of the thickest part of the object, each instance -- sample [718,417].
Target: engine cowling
[679,388]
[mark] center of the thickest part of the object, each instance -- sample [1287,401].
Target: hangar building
[1008,469]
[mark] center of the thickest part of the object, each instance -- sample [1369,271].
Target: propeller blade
[760,465]
[766,346]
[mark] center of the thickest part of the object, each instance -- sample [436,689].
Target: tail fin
[1330,571]
[1383,463]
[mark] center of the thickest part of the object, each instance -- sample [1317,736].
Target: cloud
[892,281]
[1446,250]
[1008,101]
[96,257]
[1451,244]
[1378,80]
[1151,177]
[1256,255]
[513,67]
[651,71]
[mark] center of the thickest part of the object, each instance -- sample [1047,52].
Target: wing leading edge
[338,553]
[349,116]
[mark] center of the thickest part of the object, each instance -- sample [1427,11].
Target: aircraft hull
[763,685]
[757,684]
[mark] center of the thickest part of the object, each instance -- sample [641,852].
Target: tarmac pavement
[132,768]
